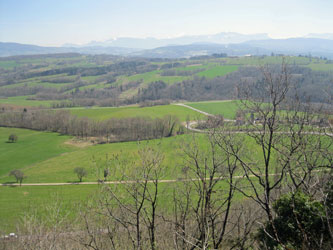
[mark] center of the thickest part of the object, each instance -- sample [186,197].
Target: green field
[60,168]
[321,66]
[226,108]
[8,64]
[37,84]
[44,158]
[45,166]
[22,101]
[151,76]
[31,148]
[122,112]
[18,201]
[218,71]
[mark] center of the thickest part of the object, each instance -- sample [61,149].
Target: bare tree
[133,205]
[288,149]
[209,177]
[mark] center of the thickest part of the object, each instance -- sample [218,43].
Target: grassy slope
[32,147]
[22,101]
[226,108]
[17,201]
[122,112]
[60,168]
[218,71]
[321,67]
[37,84]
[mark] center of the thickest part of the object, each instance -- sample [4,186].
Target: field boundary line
[129,181]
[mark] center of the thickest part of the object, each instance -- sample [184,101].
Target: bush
[300,221]
[12,138]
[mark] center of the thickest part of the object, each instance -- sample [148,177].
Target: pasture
[24,102]
[54,162]
[31,147]
[18,201]
[218,71]
[134,111]
[227,109]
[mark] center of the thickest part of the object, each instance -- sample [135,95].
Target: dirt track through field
[198,110]
[119,182]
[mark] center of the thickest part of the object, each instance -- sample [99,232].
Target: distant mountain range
[313,46]
[151,43]
[14,49]
[233,44]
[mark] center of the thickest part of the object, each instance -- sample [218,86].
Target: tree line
[112,130]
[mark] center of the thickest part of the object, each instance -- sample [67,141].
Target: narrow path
[198,110]
[118,182]
[202,112]
[190,126]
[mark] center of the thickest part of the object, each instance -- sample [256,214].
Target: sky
[56,22]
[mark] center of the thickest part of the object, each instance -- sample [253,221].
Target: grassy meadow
[18,201]
[48,159]
[24,102]
[218,71]
[226,108]
[31,147]
[134,111]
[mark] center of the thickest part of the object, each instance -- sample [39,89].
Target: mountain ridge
[290,46]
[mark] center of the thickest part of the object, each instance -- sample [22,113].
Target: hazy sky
[55,22]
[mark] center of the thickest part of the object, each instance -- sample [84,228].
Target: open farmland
[123,112]
[113,134]
[84,80]
[22,101]
[59,168]
[32,147]
[227,109]
[218,71]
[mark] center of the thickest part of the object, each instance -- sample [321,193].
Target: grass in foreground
[17,201]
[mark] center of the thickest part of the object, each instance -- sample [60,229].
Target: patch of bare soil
[80,143]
